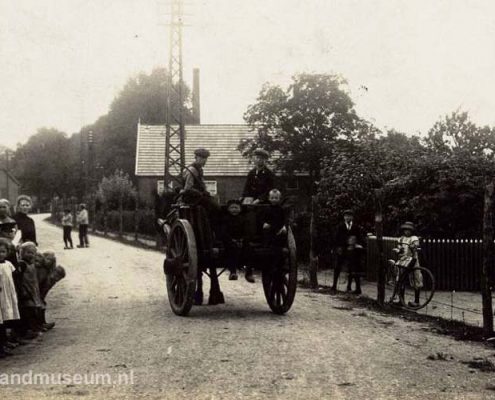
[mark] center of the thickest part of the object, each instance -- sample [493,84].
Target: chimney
[195,98]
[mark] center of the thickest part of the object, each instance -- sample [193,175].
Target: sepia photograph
[247,199]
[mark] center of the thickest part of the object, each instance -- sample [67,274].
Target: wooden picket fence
[455,263]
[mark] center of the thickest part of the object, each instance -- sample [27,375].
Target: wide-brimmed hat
[348,212]
[407,225]
[261,153]
[202,152]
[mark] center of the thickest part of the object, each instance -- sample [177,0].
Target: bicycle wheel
[412,280]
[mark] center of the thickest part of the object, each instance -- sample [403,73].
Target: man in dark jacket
[344,231]
[260,179]
[194,191]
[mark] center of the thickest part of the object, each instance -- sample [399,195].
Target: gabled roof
[12,177]
[220,140]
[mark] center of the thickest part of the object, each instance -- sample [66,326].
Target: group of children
[26,276]
[82,220]
[236,234]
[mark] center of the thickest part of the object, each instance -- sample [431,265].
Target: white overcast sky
[63,61]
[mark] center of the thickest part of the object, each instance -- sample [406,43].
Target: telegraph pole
[7,168]
[175,132]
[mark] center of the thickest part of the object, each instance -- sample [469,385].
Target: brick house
[226,170]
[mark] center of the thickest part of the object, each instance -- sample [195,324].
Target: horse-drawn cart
[193,250]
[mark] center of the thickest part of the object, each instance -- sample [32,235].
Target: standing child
[233,235]
[354,258]
[407,250]
[9,310]
[29,297]
[83,221]
[48,273]
[67,222]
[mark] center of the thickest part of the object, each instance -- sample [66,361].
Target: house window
[211,187]
[292,183]
[159,186]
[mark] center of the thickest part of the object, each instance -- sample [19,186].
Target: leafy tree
[116,190]
[142,98]
[44,165]
[303,122]
[456,133]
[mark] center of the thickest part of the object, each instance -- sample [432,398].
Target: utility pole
[7,169]
[379,242]
[175,132]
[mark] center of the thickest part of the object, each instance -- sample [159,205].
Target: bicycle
[406,279]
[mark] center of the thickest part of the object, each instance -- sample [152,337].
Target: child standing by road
[67,222]
[29,297]
[83,221]
[354,259]
[407,250]
[9,310]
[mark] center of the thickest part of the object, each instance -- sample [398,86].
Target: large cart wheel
[181,284]
[280,282]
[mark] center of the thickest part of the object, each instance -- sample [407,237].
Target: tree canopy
[303,122]
[437,182]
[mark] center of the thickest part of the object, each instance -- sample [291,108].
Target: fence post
[488,236]
[313,261]
[93,209]
[136,222]
[379,242]
[121,215]
[105,220]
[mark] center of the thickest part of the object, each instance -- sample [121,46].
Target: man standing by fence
[345,230]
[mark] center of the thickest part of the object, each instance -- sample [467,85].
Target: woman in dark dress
[25,224]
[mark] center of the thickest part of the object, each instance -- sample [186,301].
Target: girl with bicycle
[407,250]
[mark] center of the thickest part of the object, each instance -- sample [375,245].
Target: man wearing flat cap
[346,229]
[260,179]
[193,174]
[194,186]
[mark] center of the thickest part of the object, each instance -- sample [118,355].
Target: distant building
[226,169]
[9,186]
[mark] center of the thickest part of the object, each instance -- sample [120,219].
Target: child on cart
[234,238]
[274,221]
[407,251]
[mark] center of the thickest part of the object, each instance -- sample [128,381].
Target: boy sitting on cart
[274,221]
[234,235]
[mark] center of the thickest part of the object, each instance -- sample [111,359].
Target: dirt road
[113,317]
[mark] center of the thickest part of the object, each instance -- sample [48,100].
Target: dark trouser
[234,257]
[29,319]
[3,336]
[68,236]
[338,268]
[271,239]
[357,279]
[83,235]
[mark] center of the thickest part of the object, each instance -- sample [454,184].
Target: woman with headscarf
[25,224]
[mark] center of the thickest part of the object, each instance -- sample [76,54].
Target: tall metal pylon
[175,131]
